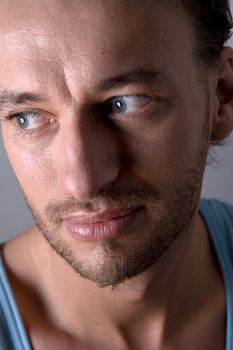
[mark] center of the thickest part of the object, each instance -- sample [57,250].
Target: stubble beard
[111,263]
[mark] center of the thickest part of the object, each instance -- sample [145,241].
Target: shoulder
[11,327]
[218,217]
[17,261]
[17,296]
[217,213]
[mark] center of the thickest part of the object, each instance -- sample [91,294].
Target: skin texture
[84,157]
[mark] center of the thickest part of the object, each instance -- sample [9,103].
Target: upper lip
[102,216]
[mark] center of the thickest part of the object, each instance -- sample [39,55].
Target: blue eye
[128,103]
[29,120]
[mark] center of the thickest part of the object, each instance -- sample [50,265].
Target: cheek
[33,170]
[166,154]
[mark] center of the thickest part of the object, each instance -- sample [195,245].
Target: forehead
[42,41]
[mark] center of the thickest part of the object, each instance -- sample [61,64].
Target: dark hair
[212,22]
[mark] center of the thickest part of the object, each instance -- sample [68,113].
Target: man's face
[120,127]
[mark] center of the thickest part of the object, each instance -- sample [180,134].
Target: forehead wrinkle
[85,70]
[44,85]
[36,49]
[42,75]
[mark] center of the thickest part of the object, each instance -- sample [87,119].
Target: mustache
[115,197]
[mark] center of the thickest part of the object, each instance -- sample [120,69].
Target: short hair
[212,21]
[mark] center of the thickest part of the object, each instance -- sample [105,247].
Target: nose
[87,159]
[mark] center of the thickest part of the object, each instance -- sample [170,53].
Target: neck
[157,294]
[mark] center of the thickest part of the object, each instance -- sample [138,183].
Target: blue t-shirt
[218,217]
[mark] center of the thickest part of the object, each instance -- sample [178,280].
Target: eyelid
[127,95]
[26,112]
[12,115]
[34,112]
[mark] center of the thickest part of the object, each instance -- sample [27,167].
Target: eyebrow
[14,98]
[139,76]
[134,77]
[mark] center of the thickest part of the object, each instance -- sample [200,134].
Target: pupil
[119,104]
[22,120]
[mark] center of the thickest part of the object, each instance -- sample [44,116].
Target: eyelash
[23,132]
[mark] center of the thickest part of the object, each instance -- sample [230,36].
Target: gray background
[15,217]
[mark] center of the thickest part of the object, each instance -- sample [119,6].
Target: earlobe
[222,123]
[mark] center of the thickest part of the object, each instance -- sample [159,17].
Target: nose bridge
[87,158]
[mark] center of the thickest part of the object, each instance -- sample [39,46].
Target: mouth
[101,226]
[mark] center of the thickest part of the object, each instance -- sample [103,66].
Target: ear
[222,123]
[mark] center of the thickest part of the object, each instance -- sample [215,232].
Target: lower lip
[101,230]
